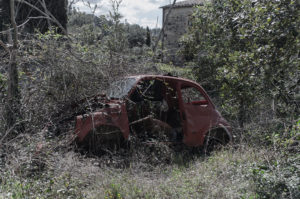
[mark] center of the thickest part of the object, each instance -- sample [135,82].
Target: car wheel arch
[219,135]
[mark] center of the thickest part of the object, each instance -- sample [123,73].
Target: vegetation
[244,53]
[248,54]
[35,14]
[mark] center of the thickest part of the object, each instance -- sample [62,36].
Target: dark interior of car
[155,103]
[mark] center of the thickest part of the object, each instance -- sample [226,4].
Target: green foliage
[113,192]
[109,31]
[188,50]
[47,186]
[79,19]
[87,28]
[277,178]
[116,40]
[186,72]
[247,51]
[89,34]
[148,37]
[135,35]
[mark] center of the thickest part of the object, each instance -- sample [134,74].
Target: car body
[153,104]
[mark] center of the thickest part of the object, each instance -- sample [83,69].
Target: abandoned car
[173,109]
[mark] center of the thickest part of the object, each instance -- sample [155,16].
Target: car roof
[168,77]
[138,77]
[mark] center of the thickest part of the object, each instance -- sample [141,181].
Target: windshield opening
[120,88]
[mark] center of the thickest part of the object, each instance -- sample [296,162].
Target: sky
[142,12]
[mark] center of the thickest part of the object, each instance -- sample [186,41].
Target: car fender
[110,116]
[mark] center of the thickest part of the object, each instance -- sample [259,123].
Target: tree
[248,53]
[148,37]
[4,18]
[13,97]
[116,40]
[12,107]
[70,5]
[35,15]
[135,35]
[165,21]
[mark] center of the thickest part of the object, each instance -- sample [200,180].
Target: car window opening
[157,102]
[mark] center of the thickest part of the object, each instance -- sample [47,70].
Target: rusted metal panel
[156,103]
[116,116]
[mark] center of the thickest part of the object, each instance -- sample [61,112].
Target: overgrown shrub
[247,56]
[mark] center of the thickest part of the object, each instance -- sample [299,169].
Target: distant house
[175,26]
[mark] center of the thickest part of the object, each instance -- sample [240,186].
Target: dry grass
[59,172]
[222,175]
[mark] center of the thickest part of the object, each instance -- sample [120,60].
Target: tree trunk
[4,19]
[12,107]
[165,21]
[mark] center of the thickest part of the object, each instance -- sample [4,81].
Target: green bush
[247,53]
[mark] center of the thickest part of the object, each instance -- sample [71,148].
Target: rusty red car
[175,109]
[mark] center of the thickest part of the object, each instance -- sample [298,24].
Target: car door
[196,111]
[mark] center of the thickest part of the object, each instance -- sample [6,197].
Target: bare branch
[8,131]
[165,21]
[4,46]
[71,3]
[46,11]
[49,15]
[14,24]
[12,88]
[23,24]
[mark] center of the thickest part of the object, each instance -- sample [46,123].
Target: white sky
[142,12]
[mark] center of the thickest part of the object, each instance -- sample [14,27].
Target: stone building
[175,26]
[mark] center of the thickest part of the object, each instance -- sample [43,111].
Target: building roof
[188,3]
